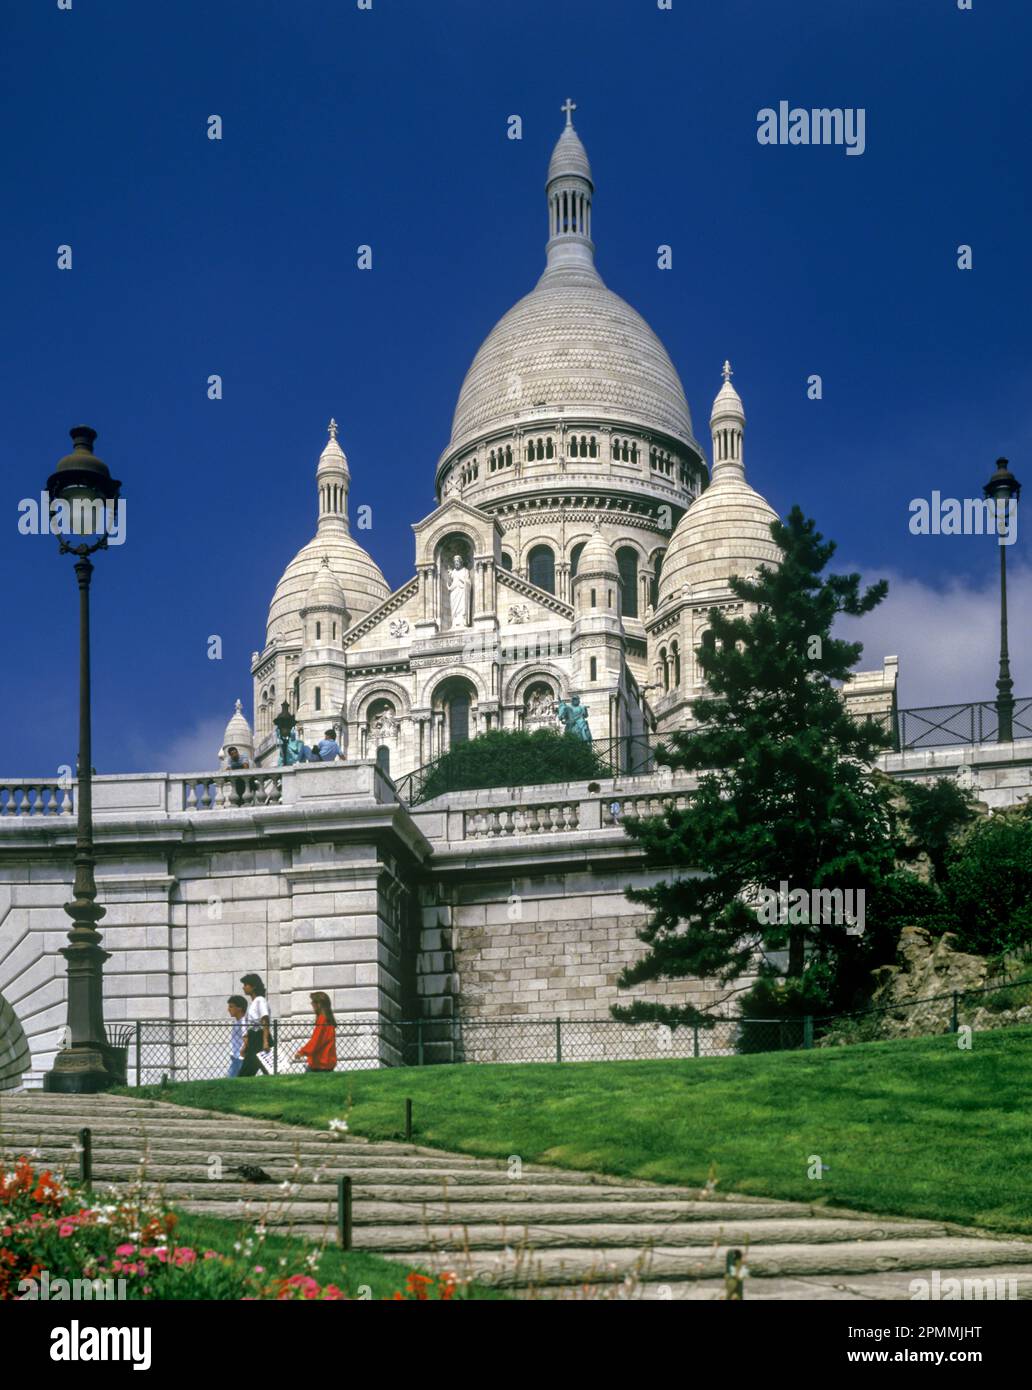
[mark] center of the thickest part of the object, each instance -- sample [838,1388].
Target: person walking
[256,1022]
[236,1007]
[320,1051]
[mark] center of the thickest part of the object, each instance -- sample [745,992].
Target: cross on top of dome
[332,427]
[569,107]
[727,370]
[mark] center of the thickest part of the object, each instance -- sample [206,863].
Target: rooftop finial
[569,107]
[332,427]
[727,371]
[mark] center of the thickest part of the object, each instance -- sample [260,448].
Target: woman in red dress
[320,1051]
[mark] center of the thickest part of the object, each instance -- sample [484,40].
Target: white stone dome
[573,344]
[597,558]
[355,571]
[325,590]
[332,557]
[571,348]
[726,531]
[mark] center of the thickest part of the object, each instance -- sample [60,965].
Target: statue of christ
[459,591]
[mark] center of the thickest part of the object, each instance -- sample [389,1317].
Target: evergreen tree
[785,792]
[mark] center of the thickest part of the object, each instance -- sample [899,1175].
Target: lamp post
[1004,489]
[80,491]
[284,722]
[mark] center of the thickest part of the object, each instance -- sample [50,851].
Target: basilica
[579,541]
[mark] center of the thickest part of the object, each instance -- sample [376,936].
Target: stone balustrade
[493,823]
[28,797]
[224,791]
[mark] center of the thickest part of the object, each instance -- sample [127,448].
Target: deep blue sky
[389,127]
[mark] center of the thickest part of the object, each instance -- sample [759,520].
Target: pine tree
[785,791]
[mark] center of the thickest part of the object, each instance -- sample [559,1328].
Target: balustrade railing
[37,798]
[223,791]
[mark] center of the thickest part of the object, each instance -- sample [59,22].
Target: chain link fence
[195,1051]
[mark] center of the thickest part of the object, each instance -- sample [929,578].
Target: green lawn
[917,1127]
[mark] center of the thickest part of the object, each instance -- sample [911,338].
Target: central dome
[571,348]
[572,344]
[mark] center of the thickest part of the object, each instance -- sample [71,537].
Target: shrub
[989,885]
[505,758]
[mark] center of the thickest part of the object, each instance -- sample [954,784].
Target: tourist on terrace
[236,1007]
[320,1051]
[327,749]
[256,1021]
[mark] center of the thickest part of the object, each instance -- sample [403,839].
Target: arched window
[593,447]
[541,567]
[506,560]
[458,718]
[665,660]
[575,555]
[318,631]
[318,698]
[549,450]
[627,562]
[383,759]
[675,657]
[594,668]
[573,446]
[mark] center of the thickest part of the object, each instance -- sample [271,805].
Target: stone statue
[292,750]
[574,718]
[459,590]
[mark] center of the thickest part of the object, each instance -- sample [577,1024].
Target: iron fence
[195,1051]
[939,726]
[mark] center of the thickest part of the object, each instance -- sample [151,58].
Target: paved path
[550,1233]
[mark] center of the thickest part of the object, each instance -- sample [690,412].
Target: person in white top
[256,1024]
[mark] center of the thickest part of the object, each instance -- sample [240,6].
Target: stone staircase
[548,1233]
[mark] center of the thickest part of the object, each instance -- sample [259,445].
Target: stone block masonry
[475,909]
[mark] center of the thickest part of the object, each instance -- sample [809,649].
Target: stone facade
[474,908]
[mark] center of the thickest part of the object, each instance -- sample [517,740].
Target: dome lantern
[727,428]
[569,189]
[333,477]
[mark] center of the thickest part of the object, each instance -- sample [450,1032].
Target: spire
[569,189]
[727,427]
[333,477]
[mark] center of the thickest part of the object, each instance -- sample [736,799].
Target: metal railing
[943,726]
[196,1051]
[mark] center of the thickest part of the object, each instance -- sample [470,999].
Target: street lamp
[1004,489]
[284,722]
[82,495]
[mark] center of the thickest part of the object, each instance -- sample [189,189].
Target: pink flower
[66,1230]
[127,1250]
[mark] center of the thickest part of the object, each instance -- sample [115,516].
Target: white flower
[340,1126]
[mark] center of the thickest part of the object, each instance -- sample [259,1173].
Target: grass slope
[917,1127]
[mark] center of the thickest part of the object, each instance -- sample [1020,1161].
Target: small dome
[726,531]
[333,456]
[355,571]
[727,403]
[597,557]
[569,158]
[325,590]
[238,733]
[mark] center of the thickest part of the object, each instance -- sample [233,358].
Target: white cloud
[947,638]
[193,750]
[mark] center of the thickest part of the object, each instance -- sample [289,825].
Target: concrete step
[984,1285]
[420,1229]
[569,1264]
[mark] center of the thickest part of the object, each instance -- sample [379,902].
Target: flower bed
[57,1242]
